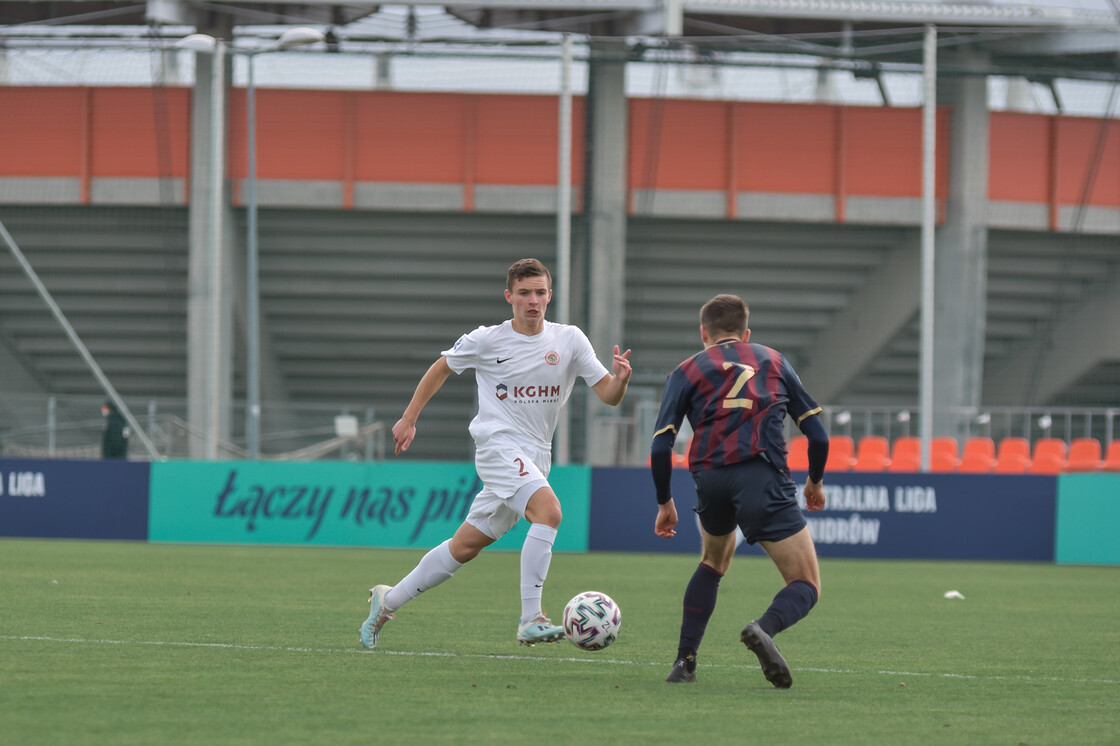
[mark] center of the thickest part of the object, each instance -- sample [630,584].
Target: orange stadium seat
[1084,455]
[978,456]
[943,454]
[1112,457]
[906,454]
[798,457]
[872,454]
[1013,456]
[1048,457]
[841,453]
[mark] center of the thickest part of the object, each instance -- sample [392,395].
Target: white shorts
[510,474]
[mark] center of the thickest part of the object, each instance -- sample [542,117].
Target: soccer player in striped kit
[736,395]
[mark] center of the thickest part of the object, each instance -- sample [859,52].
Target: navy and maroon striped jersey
[736,396]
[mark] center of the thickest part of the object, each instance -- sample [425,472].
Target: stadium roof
[1035,40]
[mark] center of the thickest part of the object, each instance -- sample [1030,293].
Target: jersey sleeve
[464,354]
[587,364]
[669,418]
[801,405]
[674,406]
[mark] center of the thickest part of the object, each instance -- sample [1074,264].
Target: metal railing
[314,432]
[310,432]
[635,430]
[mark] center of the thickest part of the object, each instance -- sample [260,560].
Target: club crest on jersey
[501,391]
[552,357]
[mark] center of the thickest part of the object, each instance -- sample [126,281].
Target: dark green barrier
[337,504]
[1088,530]
[421,504]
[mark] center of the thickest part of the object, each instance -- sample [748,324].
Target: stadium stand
[798,456]
[906,454]
[943,454]
[1013,456]
[1112,457]
[841,453]
[1048,457]
[872,454]
[978,456]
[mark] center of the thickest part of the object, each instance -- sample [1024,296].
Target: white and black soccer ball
[592,620]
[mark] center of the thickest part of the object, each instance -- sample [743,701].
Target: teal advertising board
[399,505]
[1088,520]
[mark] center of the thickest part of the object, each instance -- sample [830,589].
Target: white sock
[536,555]
[435,567]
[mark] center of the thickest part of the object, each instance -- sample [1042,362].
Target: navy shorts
[752,495]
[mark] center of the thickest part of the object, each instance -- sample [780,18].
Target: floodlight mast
[290,39]
[206,44]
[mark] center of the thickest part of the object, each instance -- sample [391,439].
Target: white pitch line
[492,656]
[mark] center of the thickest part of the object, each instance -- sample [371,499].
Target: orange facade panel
[1087,161]
[411,137]
[678,144]
[299,134]
[43,131]
[517,139]
[471,139]
[140,132]
[1019,157]
[883,151]
[789,148]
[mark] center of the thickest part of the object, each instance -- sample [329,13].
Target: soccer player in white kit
[525,369]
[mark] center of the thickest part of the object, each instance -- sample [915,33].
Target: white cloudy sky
[311,69]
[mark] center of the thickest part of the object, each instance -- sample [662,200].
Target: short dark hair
[523,268]
[725,314]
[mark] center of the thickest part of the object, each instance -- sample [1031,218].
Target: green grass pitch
[121,643]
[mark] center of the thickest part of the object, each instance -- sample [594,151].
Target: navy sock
[790,606]
[699,603]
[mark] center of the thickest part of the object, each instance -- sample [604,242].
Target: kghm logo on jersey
[552,357]
[536,393]
[544,394]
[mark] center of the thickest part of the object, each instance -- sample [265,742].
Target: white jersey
[524,381]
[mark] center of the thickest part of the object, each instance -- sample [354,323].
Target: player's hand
[403,433]
[814,495]
[621,367]
[666,524]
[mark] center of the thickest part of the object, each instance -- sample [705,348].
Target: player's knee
[553,517]
[546,512]
[720,563]
[463,553]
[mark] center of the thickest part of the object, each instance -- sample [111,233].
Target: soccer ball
[592,620]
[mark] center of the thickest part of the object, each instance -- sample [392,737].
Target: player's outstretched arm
[405,430]
[611,388]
